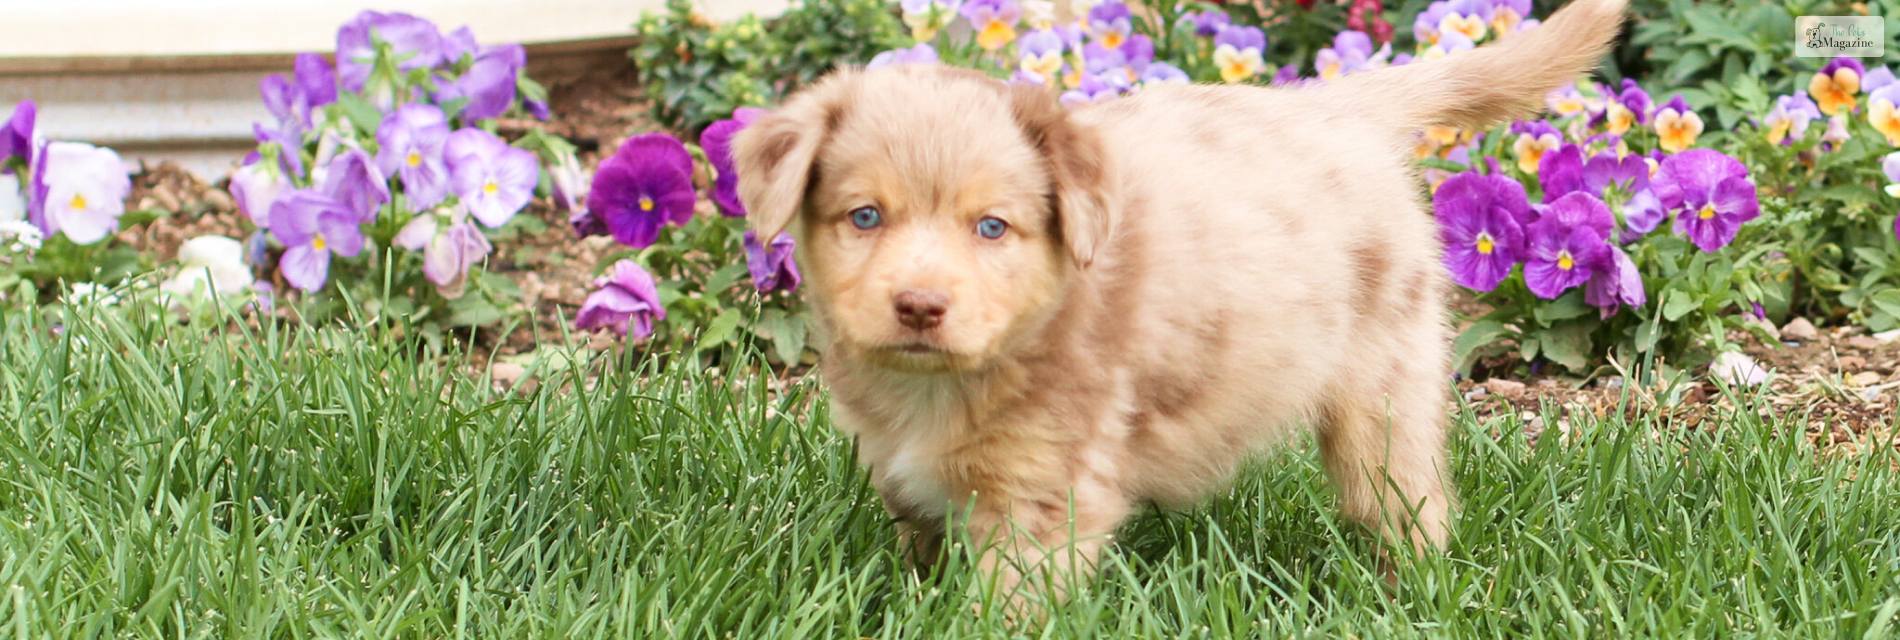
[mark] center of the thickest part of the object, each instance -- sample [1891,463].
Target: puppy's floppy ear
[1080,172]
[775,156]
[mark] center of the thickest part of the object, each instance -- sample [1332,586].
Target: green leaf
[1481,334]
[363,115]
[1678,305]
[1568,344]
[473,311]
[1570,305]
[1887,301]
[720,329]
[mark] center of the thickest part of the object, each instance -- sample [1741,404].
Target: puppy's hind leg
[1384,449]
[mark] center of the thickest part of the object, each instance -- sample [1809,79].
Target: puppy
[1035,318]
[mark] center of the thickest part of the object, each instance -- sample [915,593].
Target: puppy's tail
[1489,84]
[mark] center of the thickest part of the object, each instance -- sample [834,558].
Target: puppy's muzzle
[920,309]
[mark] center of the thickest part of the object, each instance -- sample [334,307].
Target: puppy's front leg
[1043,539]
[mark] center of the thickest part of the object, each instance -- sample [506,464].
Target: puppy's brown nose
[920,308]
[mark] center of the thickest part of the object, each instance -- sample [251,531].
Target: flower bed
[1636,227]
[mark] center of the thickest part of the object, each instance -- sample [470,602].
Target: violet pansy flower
[450,243]
[312,226]
[1628,174]
[411,140]
[16,137]
[920,54]
[1109,23]
[645,184]
[1710,193]
[492,179]
[316,79]
[1561,172]
[1480,223]
[489,83]
[1615,285]
[78,190]
[716,141]
[255,186]
[1040,54]
[1164,73]
[1789,120]
[1567,244]
[351,178]
[926,17]
[415,43]
[1208,24]
[625,301]
[772,266]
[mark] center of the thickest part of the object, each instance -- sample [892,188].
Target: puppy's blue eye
[991,228]
[866,217]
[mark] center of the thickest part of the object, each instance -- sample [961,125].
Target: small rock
[1767,327]
[1887,337]
[506,374]
[1502,387]
[1864,379]
[1737,369]
[1800,330]
[1853,363]
[1476,393]
[1862,343]
[217,200]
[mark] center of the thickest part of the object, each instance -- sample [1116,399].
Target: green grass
[159,481]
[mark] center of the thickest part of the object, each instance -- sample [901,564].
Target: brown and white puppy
[1045,316]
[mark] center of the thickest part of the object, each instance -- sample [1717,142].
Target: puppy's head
[939,213]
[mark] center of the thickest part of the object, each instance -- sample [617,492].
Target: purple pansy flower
[1568,244]
[772,267]
[1628,174]
[352,180]
[1094,88]
[489,83]
[492,179]
[920,54]
[716,140]
[411,140]
[315,79]
[1208,24]
[1643,213]
[1287,75]
[1634,98]
[1876,79]
[1039,56]
[1614,285]
[1099,60]
[255,186]
[626,301]
[78,190]
[1139,51]
[1479,222]
[1109,23]
[312,226]
[459,44]
[645,184]
[414,42]
[16,139]
[1561,172]
[449,243]
[289,147]
[1164,73]
[1351,52]
[286,103]
[1710,193]
[1789,120]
